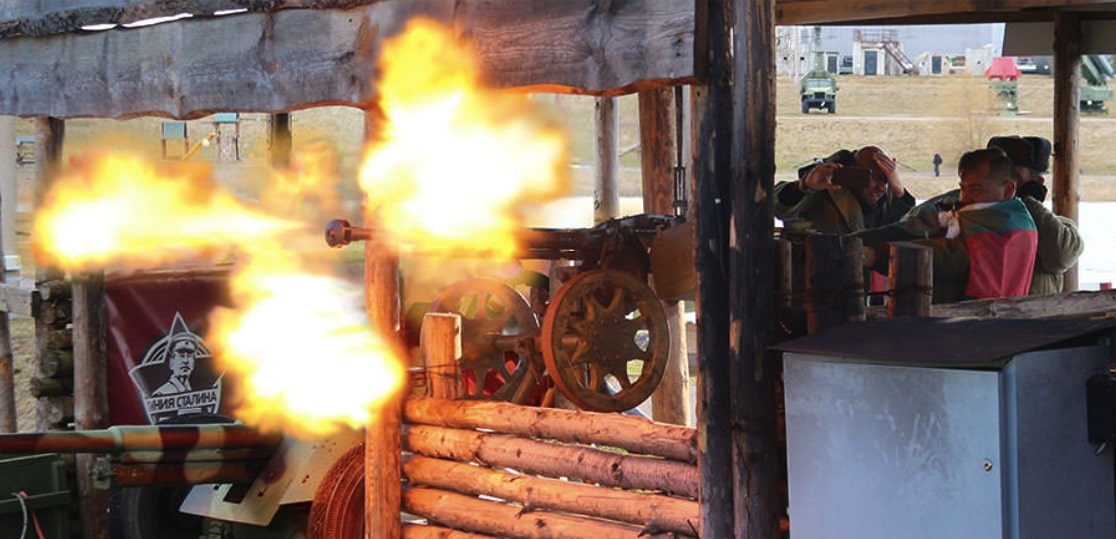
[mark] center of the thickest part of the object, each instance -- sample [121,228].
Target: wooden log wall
[546,472]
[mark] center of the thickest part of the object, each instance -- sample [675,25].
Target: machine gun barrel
[339,233]
[124,439]
[536,243]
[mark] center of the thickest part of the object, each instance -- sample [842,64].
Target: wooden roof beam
[40,19]
[299,58]
[862,12]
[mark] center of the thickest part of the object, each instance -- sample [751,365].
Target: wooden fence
[493,469]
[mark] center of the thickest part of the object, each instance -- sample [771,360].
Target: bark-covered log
[54,289]
[37,19]
[55,339]
[56,313]
[505,520]
[51,387]
[1066,304]
[430,531]
[553,459]
[54,412]
[298,58]
[911,279]
[625,432]
[56,363]
[441,350]
[890,12]
[650,511]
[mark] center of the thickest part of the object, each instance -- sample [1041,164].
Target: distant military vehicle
[1095,70]
[818,89]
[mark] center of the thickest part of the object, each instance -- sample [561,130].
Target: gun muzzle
[339,233]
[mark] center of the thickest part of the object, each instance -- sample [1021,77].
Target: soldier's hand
[890,167]
[821,177]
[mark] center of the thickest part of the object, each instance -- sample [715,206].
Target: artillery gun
[1095,72]
[603,339]
[207,480]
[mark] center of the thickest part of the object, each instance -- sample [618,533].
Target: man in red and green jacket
[984,243]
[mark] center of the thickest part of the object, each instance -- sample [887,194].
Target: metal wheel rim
[604,312]
[505,312]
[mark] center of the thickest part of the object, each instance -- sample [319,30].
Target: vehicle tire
[832,107]
[805,107]
[152,512]
[289,523]
[337,511]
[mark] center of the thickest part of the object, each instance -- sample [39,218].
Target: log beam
[1065,305]
[297,58]
[789,12]
[553,460]
[650,511]
[570,426]
[505,520]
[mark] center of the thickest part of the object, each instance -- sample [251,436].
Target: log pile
[492,469]
[53,383]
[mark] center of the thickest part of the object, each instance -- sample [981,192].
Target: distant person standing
[937,164]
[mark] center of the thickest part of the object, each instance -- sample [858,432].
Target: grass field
[912,117]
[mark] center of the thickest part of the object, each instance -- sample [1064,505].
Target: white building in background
[789,55]
[879,52]
[927,48]
[933,64]
[978,59]
[796,52]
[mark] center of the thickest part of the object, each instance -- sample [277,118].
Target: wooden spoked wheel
[605,340]
[492,314]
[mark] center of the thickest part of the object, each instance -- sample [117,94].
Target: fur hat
[1018,150]
[1040,156]
[1030,152]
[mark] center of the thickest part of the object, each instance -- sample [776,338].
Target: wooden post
[49,135]
[853,297]
[440,341]
[660,152]
[383,472]
[7,242]
[90,393]
[606,192]
[280,140]
[784,274]
[911,276]
[9,187]
[7,379]
[834,281]
[750,75]
[8,197]
[712,141]
[1067,112]
[89,378]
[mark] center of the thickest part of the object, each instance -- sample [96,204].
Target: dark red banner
[159,364]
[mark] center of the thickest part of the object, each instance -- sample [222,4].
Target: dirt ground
[23,354]
[912,117]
